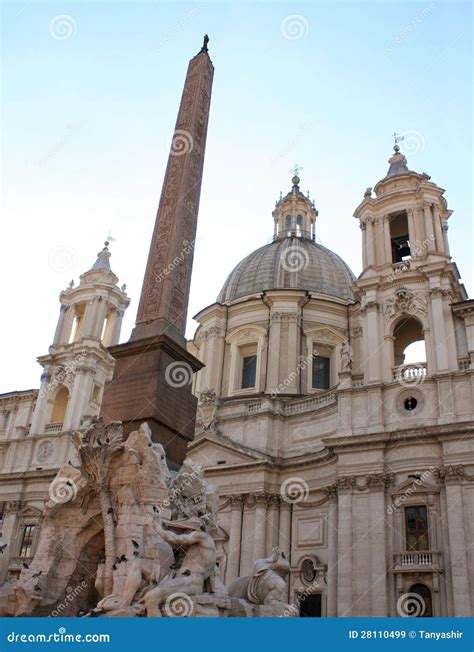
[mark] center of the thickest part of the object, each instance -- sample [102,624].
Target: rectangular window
[320,372]
[249,371]
[26,547]
[416,528]
[310,606]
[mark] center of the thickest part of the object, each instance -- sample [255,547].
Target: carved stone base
[152,383]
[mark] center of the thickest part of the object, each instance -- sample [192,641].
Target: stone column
[429,227]
[234,551]
[79,398]
[387,243]
[370,242]
[332,524]
[363,228]
[68,325]
[437,229]
[372,341]
[439,330]
[378,563]
[89,318]
[260,527]
[273,373]
[445,228]
[271,534]
[458,546]
[100,317]
[284,535]
[114,331]
[412,234]
[293,351]
[40,412]
[344,553]
[214,354]
[60,325]
[248,533]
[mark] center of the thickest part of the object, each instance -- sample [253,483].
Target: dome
[289,263]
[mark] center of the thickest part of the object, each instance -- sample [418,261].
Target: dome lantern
[294,215]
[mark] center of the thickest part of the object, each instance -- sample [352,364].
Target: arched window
[299,225]
[60,405]
[423,606]
[288,224]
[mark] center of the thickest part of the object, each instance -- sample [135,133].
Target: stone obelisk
[153,371]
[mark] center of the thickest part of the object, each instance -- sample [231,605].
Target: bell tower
[408,282]
[78,364]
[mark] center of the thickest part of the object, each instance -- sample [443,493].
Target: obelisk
[153,371]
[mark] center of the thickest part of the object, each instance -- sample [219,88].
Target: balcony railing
[311,403]
[464,364]
[53,427]
[411,372]
[417,560]
[252,408]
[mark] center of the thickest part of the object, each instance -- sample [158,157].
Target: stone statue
[197,566]
[267,584]
[204,44]
[346,357]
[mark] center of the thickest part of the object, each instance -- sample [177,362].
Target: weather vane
[295,170]
[397,138]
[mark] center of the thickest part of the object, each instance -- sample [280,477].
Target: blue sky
[87,122]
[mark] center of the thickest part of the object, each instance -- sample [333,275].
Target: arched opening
[408,342]
[299,226]
[424,603]
[77,323]
[399,237]
[61,400]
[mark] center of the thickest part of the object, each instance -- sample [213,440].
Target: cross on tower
[295,170]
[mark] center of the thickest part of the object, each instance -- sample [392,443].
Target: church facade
[323,437]
[324,434]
